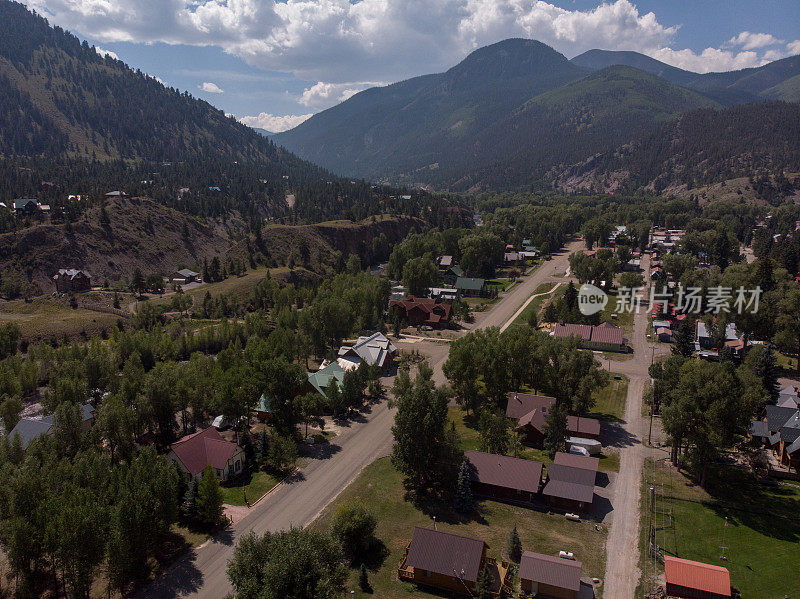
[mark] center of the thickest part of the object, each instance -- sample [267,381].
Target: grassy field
[241,286]
[621,319]
[610,400]
[255,484]
[536,303]
[46,318]
[763,534]
[380,487]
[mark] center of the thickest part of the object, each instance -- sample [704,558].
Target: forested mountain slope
[759,142]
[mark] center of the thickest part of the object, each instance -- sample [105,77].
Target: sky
[274,63]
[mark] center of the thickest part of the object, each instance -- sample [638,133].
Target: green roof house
[470,287]
[321,379]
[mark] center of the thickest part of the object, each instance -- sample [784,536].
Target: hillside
[760,142]
[141,233]
[517,113]
[727,88]
[381,132]
[566,124]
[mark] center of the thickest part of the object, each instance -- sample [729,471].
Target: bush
[353,527]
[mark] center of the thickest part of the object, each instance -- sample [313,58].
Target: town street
[297,502]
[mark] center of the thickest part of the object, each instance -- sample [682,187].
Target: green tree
[10,410]
[363,579]
[293,564]
[209,498]
[282,454]
[310,408]
[423,448]
[555,429]
[494,432]
[481,253]
[483,588]
[683,339]
[463,501]
[353,527]
[788,325]
[115,425]
[514,546]
[188,507]
[419,274]
[137,281]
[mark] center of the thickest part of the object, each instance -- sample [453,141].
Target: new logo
[591,299]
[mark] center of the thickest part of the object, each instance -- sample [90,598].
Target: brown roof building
[695,580]
[569,488]
[451,562]
[503,477]
[193,452]
[552,577]
[586,428]
[577,461]
[530,412]
[72,280]
[604,337]
[422,311]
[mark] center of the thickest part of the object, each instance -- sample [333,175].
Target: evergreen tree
[363,580]
[514,546]
[209,498]
[463,501]
[188,507]
[683,339]
[483,588]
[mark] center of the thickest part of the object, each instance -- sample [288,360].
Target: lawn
[610,400]
[240,286]
[255,484]
[621,319]
[535,304]
[380,487]
[762,538]
[47,318]
[499,284]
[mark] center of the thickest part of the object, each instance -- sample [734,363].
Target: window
[219,472]
[238,465]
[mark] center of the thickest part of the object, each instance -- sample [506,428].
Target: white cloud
[339,41]
[793,47]
[105,53]
[211,88]
[324,95]
[752,41]
[275,123]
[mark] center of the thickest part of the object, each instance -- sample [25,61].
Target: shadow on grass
[437,503]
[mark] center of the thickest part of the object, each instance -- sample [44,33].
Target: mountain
[757,144]
[515,113]
[728,88]
[563,125]
[411,124]
[263,132]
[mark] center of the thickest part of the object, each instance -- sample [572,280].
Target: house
[503,477]
[577,461]
[664,335]
[184,276]
[29,429]
[788,397]
[71,280]
[115,194]
[418,311]
[443,294]
[780,431]
[452,274]
[511,258]
[450,562]
[551,577]
[263,409]
[470,287]
[444,263]
[695,580]
[25,205]
[569,488]
[193,452]
[586,428]
[603,337]
[530,412]
[321,379]
[375,350]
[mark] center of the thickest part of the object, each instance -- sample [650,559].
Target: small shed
[695,580]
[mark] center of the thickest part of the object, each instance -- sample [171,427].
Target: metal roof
[696,575]
[504,471]
[583,426]
[566,490]
[445,553]
[29,429]
[204,447]
[552,571]
[577,461]
[571,474]
[470,284]
[520,404]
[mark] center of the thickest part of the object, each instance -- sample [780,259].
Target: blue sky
[273,63]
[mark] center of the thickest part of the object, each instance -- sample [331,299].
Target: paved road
[201,573]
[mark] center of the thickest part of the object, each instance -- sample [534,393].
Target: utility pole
[652,399]
[723,547]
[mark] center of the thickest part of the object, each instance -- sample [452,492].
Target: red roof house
[422,311]
[194,451]
[695,580]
